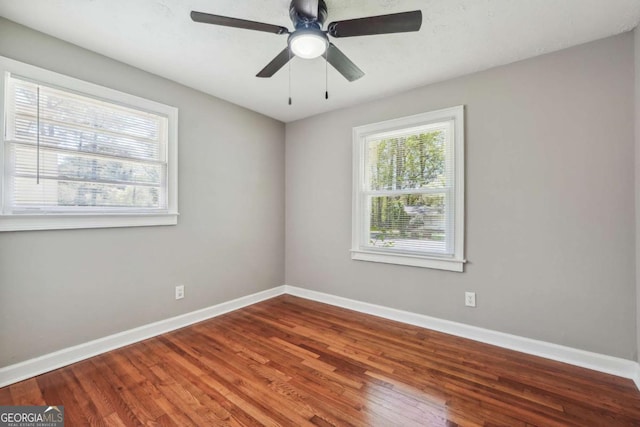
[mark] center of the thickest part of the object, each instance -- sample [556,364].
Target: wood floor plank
[25,392]
[293,362]
[59,389]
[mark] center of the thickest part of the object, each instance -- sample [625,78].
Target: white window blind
[408,191]
[68,152]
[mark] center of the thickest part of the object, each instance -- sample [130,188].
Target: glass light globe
[308,45]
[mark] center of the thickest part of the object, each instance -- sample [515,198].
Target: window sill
[410,260]
[74,221]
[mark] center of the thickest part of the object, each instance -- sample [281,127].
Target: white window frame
[52,221]
[360,210]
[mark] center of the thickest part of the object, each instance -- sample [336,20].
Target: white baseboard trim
[595,361]
[48,362]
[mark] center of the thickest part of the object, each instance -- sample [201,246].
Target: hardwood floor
[293,362]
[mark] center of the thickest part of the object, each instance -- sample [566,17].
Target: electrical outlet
[179,291]
[470,299]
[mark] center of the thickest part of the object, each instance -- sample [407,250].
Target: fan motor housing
[301,20]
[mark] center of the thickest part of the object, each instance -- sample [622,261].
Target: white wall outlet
[179,291]
[470,299]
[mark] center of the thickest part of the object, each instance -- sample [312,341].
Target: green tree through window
[407,163]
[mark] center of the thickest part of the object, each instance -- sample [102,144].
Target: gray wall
[636,33]
[550,185]
[61,288]
[549,198]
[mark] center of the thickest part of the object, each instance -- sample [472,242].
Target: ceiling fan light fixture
[309,41]
[308,44]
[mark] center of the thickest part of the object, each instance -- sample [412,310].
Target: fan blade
[340,62]
[384,24]
[225,21]
[275,65]
[306,8]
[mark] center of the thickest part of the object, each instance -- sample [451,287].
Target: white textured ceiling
[457,37]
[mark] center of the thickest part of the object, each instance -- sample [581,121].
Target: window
[77,155]
[408,195]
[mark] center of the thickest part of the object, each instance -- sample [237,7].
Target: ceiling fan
[308,40]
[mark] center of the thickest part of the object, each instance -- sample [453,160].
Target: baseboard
[598,362]
[39,365]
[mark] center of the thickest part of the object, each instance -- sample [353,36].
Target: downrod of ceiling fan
[298,18]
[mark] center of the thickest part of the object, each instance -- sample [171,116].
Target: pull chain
[289,76]
[326,76]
